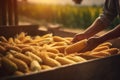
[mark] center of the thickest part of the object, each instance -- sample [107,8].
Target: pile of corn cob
[24,54]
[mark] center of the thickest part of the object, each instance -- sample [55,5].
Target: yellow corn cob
[24,58]
[11,41]
[61,49]
[37,37]
[22,66]
[37,53]
[58,44]
[3,39]
[88,57]
[67,41]
[105,44]
[64,60]
[2,49]
[9,55]
[13,52]
[25,49]
[9,66]
[76,58]
[22,45]
[4,44]
[49,61]
[27,39]
[51,55]
[38,48]
[112,51]
[69,38]
[76,46]
[33,56]
[13,48]
[52,50]
[45,41]
[35,66]
[45,67]
[58,39]
[102,48]
[101,53]
[17,41]
[45,47]
[87,53]
[18,73]
[21,36]
[47,35]
[33,44]
[60,55]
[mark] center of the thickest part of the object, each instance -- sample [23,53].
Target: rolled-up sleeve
[109,12]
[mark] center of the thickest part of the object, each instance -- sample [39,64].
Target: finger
[74,40]
[84,50]
[87,48]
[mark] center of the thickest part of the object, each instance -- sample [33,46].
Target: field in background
[67,15]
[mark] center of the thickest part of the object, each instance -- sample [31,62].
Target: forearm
[96,27]
[111,34]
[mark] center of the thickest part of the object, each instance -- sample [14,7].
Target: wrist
[87,35]
[101,39]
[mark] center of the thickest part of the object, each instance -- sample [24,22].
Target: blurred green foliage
[67,15]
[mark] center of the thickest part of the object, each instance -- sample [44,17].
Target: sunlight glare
[45,1]
[52,1]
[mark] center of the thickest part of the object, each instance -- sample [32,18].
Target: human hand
[77,1]
[91,44]
[78,37]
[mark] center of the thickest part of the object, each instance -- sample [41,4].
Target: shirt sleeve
[109,12]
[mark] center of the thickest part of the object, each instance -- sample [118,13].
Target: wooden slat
[4,12]
[15,12]
[0,13]
[10,12]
